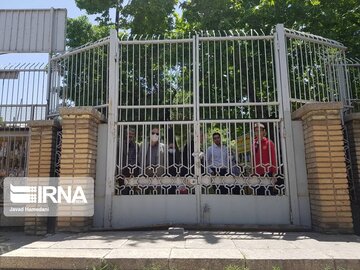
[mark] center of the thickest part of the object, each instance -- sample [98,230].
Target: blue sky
[72,12]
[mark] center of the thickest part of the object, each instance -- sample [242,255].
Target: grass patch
[235,267]
[154,267]
[105,266]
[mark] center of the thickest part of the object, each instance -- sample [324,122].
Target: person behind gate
[264,157]
[154,155]
[217,159]
[130,155]
[189,160]
[130,160]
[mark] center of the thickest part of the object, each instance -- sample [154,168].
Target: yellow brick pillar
[40,164]
[78,154]
[326,167]
[353,128]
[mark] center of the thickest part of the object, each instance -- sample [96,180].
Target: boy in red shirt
[264,155]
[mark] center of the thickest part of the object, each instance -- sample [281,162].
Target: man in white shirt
[154,155]
[217,157]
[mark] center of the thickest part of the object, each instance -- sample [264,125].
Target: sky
[72,12]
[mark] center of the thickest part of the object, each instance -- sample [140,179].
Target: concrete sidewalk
[144,250]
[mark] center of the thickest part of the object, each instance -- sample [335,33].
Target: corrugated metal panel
[32,30]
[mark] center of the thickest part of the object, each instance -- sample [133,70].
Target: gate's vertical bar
[112,127]
[286,127]
[197,126]
[49,65]
[48,90]
[341,78]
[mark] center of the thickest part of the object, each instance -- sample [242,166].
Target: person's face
[131,136]
[259,132]
[171,146]
[155,135]
[217,139]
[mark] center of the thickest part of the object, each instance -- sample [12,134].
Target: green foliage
[80,31]
[101,7]
[138,16]
[104,266]
[212,14]
[157,267]
[95,6]
[148,17]
[338,20]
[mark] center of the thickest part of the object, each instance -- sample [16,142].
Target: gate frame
[112,127]
[282,79]
[284,115]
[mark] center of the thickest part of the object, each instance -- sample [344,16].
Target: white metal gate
[186,94]
[222,101]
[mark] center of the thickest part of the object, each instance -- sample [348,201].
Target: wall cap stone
[316,106]
[42,123]
[352,116]
[82,110]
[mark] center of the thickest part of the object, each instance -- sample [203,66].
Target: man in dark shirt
[130,152]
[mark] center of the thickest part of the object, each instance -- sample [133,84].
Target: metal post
[49,62]
[343,89]
[286,126]
[197,127]
[112,127]
[49,74]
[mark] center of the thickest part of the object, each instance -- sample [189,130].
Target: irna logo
[45,194]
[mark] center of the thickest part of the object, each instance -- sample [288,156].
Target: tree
[138,16]
[338,20]
[103,7]
[80,31]
[149,17]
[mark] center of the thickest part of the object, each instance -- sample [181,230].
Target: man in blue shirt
[217,157]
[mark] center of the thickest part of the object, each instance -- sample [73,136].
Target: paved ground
[147,250]
[10,240]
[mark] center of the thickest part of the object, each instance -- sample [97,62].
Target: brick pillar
[353,127]
[78,154]
[40,164]
[326,167]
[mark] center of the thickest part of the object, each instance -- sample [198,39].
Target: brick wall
[78,154]
[326,167]
[353,128]
[40,163]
